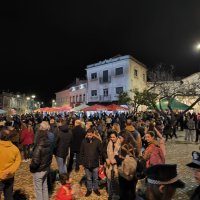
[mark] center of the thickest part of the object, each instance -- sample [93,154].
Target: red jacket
[64,193]
[27,137]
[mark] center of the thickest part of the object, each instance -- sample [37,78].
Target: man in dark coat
[78,134]
[62,145]
[90,157]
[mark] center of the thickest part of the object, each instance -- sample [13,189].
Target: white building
[73,95]
[106,79]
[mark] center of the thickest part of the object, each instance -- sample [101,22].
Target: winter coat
[27,137]
[10,159]
[42,156]
[63,142]
[64,193]
[111,157]
[91,153]
[78,134]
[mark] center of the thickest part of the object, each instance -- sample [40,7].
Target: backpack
[128,167]
[156,157]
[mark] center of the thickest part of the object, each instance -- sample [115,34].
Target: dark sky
[43,39]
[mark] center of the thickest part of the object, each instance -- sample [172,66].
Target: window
[80,98]
[76,98]
[119,90]
[105,76]
[119,71]
[135,72]
[73,98]
[83,97]
[105,92]
[94,76]
[94,93]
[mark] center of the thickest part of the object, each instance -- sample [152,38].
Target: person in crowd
[116,127]
[167,131]
[152,146]
[53,126]
[127,187]
[62,146]
[65,192]
[27,139]
[197,139]
[78,134]
[10,159]
[191,128]
[135,134]
[111,150]
[45,127]
[90,157]
[40,165]
[195,165]
[162,182]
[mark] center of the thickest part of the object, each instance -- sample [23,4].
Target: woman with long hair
[127,187]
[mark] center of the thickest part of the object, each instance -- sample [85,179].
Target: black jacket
[78,134]
[42,156]
[91,153]
[63,142]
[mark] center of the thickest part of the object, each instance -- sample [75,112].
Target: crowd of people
[124,147]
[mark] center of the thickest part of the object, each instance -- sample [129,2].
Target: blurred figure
[10,161]
[195,164]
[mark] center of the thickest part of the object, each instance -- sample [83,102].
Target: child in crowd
[65,192]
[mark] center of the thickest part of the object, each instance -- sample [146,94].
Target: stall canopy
[114,107]
[175,105]
[95,107]
[79,108]
[54,109]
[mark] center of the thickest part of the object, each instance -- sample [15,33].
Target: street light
[53,102]
[198,46]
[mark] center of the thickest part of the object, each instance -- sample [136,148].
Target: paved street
[178,151]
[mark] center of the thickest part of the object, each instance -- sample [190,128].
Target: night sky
[42,39]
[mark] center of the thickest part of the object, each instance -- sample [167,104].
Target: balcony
[104,80]
[103,98]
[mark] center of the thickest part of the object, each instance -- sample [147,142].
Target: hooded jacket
[10,159]
[63,142]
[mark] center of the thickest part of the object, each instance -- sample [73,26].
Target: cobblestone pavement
[178,151]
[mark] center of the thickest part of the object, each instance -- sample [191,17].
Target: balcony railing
[104,98]
[105,80]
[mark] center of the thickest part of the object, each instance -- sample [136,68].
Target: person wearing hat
[162,181]
[195,164]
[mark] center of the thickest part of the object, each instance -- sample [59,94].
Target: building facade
[106,79]
[10,100]
[73,95]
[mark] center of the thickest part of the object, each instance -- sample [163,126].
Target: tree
[138,99]
[163,82]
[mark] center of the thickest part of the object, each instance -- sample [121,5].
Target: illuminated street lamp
[28,98]
[198,46]
[53,102]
